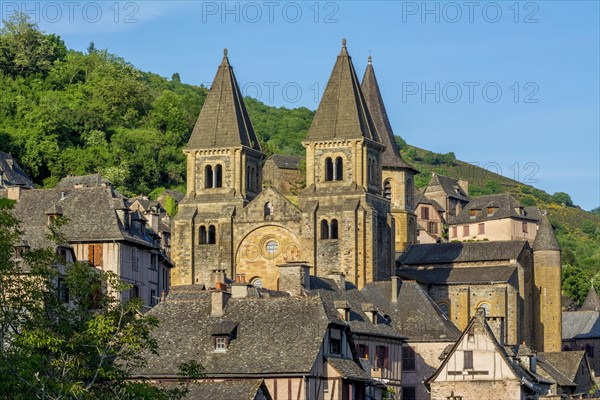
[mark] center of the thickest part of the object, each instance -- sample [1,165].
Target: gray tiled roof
[273,335]
[286,162]
[421,199]
[562,366]
[414,315]
[580,324]
[391,156]
[449,186]
[545,238]
[92,180]
[359,322]
[447,253]
[459,275]
[223,120]
[12,173]
[348,369]
[342,113]
[90,213]
[505,206]
[246,389]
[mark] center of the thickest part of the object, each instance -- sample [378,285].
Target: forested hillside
[64,112]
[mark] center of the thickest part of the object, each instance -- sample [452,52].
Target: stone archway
[262,250]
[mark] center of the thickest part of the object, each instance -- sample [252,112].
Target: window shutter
[91,253]
[98,255]
[386,358]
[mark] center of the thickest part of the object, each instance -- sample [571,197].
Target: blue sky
[508,85]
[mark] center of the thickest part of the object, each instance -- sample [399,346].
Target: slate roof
[275,335]
[90,213]
[246,389]
[11,172]
[223,120]
[580,324]
[454,252]
[592,302]
[348,369]
[545,238]
[459,275]
[421,199]
[505,206]
[342,113]
[449,186]
[415,315]
[391,157]
[92,180]
[360,323]
[286,162]
[562,366]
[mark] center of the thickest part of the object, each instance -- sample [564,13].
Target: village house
[432,227]
[451,194]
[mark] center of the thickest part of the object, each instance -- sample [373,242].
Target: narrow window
[328,169]
[432,227]
[481,229]
[425,212]
[335,346]
[454,231]
[268,209]
[203,235]
[445,309]
[334,229]
[387,190]
[63,290]
[370,171]
[220,343]
[472,213]
[382,359]
[208,176]
[362,350]
[339,169]
[248,179]
[324,229]
[589,350]
[466,230]
[524,227]
[408,358]
[468,363]
[409,193]
[490,211]
[218,176]
[212,235]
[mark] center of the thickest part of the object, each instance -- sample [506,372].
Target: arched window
[324,229]
[339,169]
[268,209]
[248,178]
[409,193]
[257,282]
[212,235]
[445,309]
[333,229]
[328,169]
[486,308]
[203,235]
[218,176]
[387,189]
[208,176]
[589,350]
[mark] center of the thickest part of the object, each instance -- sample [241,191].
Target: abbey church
[354,214]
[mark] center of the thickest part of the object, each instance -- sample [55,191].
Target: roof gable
[342,113]
[223,120]
[448,185]
[11,172]
[280,208]
[504,206]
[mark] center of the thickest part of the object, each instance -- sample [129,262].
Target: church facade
[354,213]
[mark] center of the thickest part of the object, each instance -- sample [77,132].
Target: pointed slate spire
[391,157]
[223,120]
[592,302]
[342,113]
[545,238]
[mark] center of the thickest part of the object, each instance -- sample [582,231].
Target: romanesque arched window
[328,169]
[218,176]
[387,189]
[268,209]
[324,229]
[370,171]
[212,235]
[339,169]
[202,235]
[409,194]
[208,176]
[333,229]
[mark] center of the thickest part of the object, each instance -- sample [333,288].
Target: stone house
[345,221]
[430,219]
[157,218]
[494,217]
[283,172]
[515,283]
[427,331]
[11,174]
[101,230]
[479,367]
[571,372]
[451,194]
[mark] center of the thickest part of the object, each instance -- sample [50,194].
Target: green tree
[85,348]
[562,198]
[575,283]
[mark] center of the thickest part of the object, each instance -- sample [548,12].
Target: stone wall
[477,390]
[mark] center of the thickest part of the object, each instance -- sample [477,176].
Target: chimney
[464,185]
[217,276]
[496,324]
[14,192]
[239,289]
[294,277]
[219,299]
[396,282]
[339,278]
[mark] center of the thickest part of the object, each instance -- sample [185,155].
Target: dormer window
[221,343]
[335,341]
[490,211]
[223,333]
[21,249]
[473,213]
[343,309]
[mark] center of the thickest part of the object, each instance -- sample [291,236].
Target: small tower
[397,175]
[592,302]
[223,174]
[547,289]
[342,199]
